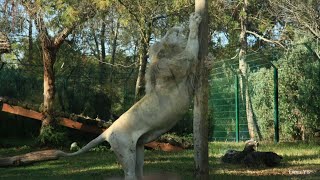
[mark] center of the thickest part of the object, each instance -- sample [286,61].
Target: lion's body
[167,99]
[155,111]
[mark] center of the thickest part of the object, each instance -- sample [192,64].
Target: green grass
[300,161]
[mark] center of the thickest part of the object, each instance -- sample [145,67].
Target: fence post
[276,104]
[236,88]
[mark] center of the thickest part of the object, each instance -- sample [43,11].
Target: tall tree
[200,111]
[74,14]
[243,68]
[103,48]
[30,41]
[114,38]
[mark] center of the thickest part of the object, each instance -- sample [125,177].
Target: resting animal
[250,157]
[167,99]
[236,157]
[257,159]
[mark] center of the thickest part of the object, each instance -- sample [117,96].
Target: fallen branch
[29,158]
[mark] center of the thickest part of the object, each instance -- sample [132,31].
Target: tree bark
[114,42]
[103,51]
[49,57]
[114,48]
[144,45]
[200,112]
[30,43]
[243,68]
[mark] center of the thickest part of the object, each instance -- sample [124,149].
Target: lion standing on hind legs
[169,91]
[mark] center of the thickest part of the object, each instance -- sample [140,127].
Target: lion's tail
[86,148]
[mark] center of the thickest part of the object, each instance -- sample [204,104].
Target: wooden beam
[21,111]
[80,126]
[39,116]
[77,125]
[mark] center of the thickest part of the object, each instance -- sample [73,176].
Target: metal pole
[236,87]
[276,104]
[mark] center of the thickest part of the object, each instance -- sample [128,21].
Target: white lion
[167,99]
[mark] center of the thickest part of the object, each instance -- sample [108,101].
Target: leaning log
[29,158]
[39,116]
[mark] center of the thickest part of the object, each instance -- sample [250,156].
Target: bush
[262,101]
[51,136]
[299,102]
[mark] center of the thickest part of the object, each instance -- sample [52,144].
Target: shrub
[299,102]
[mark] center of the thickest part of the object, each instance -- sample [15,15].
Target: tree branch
[86,13]
[175,12]
[130,11]
[265,39]
[61,36]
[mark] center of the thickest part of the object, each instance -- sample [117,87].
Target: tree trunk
[114,43]
[30,49]
[49,57]
[103,52]
[243,67]
[114,48]
[144,45]
[50,48]
[200,112]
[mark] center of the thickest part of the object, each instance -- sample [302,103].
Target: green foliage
[299,101]
[185,125]
[185,141]
[18,84]
[51,136]
[262,100]
[300,87]
[100,149]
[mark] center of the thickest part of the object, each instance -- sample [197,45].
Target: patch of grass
[300,161]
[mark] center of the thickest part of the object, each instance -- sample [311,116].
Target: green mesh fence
[224,91]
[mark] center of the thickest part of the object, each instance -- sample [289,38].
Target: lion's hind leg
[125,149]
[139,160]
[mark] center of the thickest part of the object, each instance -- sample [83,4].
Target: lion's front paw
[195,19]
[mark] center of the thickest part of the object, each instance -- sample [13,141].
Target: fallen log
[29,158]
